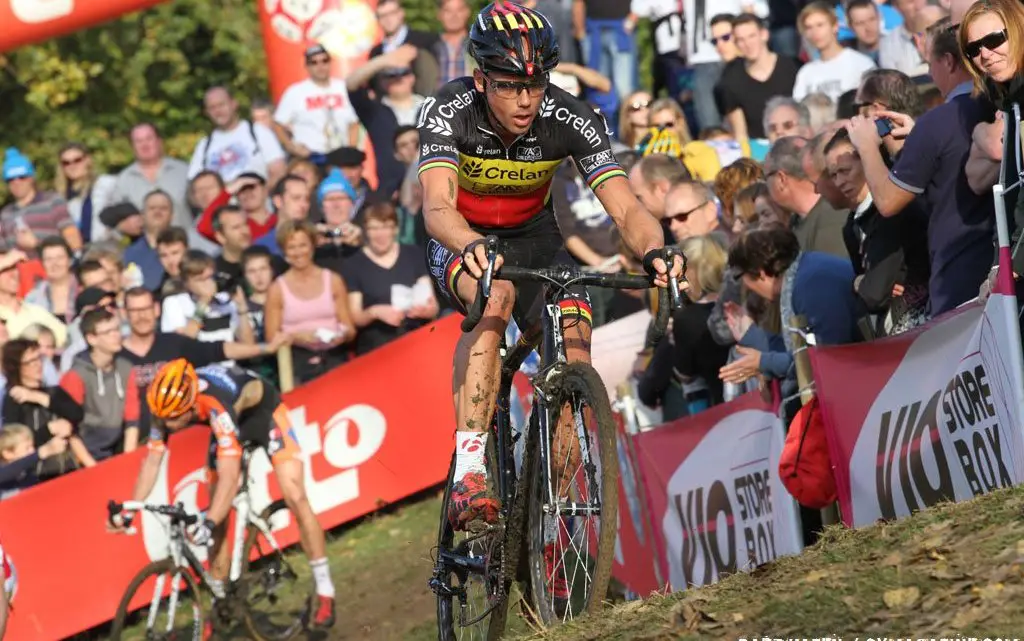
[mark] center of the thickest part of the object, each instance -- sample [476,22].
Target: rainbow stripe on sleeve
[603,174]
[430,163]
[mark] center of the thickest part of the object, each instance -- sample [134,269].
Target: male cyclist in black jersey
[490,145]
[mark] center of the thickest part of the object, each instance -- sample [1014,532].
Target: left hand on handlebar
[655,266]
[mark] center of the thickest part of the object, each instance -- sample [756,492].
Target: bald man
[691,210]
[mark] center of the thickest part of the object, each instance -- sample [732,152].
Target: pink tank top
[309,314]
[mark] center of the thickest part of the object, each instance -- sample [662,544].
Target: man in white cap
[315,115]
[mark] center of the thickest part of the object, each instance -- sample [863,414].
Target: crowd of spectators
[833,163]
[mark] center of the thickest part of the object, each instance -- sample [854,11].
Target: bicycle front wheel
[270,583]
[575,497]
[173,608]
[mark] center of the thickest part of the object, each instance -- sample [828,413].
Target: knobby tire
[155,569]
[578,381]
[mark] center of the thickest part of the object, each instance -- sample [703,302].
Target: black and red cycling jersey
[503,186]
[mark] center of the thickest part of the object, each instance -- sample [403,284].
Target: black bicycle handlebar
[669,298]
[176,512]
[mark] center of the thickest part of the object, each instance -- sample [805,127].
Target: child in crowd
[258,270]
[21,459]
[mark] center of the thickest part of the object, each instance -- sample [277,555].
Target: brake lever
[668,255]
[492,256]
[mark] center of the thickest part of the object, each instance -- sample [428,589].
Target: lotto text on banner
[371,433]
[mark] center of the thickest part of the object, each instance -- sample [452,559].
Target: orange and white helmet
[174,389]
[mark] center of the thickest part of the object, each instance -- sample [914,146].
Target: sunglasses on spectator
[991,42]
[723,38]
[313,62]
[667,124]
[70,162]
[639,104]
[512,89]
[683,216]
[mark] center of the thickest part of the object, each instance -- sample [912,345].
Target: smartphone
[883,126]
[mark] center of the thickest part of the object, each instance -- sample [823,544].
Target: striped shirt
[47,215]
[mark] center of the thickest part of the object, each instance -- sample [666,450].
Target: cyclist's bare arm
[640,230]
[3,612]
[229,469]
[443,220]
[148,474]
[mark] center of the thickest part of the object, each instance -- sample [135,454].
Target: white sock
[322,578]
[469,454]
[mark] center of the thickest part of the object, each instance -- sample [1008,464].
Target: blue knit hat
[17,165]
[334,183]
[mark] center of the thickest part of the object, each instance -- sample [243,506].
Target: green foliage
[92,86]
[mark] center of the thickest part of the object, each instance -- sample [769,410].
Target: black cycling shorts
[536,244]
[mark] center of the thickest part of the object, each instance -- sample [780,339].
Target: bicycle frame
[183,557]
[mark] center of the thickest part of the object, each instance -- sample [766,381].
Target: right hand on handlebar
[654,265]
[474,258]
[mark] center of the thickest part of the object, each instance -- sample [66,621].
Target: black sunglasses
[991,42]
[723,38]
[681,217]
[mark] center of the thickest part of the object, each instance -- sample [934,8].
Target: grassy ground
[954,569]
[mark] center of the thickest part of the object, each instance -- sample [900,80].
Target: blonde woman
[86,191]
[698,357]
[633,118]
[665,113]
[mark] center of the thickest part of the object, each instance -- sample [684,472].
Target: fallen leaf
[737,617]
[816,575]
[990,591]
[942,572]
[901,597]
[850,602]
[933,542]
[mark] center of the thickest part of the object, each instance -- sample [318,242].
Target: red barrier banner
[927,416]
[372,432]
[636,552]
[28,21]
[715,495]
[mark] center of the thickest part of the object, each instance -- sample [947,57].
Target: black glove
[649,261]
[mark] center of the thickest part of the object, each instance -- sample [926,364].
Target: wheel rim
[566,532]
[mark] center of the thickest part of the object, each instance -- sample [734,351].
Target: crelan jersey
[503,186]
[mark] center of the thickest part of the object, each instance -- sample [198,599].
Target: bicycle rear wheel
[468,578]
[269,580]
[575,498]
[173,610]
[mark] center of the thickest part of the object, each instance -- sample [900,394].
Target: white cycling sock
[469,454]
[322,578]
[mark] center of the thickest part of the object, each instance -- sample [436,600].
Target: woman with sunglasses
[990,36]
[633,115]
[86,192]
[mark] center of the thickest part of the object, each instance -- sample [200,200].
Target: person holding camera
[338,237]
[931,168]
